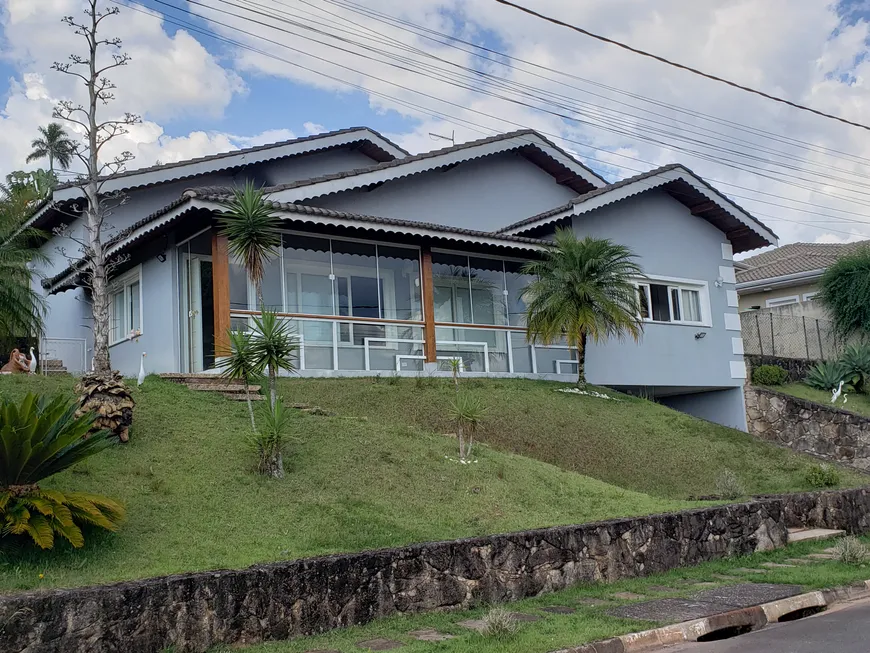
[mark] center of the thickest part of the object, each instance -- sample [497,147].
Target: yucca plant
[856,360]
[826,375]
[467,412]
[239,362]
[274,348]
[39,438]
[270,440]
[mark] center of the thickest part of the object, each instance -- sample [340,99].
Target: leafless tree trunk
[460,433]
[96,266]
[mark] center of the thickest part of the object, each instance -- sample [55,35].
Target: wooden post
[428,305]
[220,269]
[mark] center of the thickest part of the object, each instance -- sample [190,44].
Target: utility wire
[424,110]
[695,71]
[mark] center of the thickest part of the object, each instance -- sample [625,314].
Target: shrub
[851,551]
[856,361]
[729,486]
[844,290]
[40,438]
[467,411]
[500,624]
[823,475]
[270,439]
[826,375]
[769,375]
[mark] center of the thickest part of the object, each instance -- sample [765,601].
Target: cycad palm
[38,439]
[583,289]
[53,144]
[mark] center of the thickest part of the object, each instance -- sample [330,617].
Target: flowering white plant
[587,393]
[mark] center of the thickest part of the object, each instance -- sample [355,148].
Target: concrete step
[223,388]
[235,396]
[812,534]
[195,378]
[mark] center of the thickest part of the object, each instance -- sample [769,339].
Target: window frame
[678,284]
[782,301]
[122,284]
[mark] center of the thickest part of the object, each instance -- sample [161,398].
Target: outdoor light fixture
[718,283]
[700,335]
[162,257]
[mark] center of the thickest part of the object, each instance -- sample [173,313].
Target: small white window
[810,296]
[125,308]
[664,302]
[782,301]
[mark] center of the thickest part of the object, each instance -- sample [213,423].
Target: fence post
[806,340]
[758,328]
[819,335]
[772,337]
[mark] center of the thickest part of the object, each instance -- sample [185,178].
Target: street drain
[802,612]
[725,633]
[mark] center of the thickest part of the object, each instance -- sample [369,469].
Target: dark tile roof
[222,194]
[428,155]
[794,259]
[247,150]
[620,184]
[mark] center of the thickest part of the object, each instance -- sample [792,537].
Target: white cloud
[312,128]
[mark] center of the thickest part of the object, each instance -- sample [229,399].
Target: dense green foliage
[583,289]
[844,291]
[823,476]
[826,375]
[38,439]
[856,361]
[769,375]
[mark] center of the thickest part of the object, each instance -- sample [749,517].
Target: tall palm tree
[55,144]
[22,308]
[583,289]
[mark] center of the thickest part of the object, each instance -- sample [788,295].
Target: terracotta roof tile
[794,259]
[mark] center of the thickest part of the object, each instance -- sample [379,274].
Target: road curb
[752,618]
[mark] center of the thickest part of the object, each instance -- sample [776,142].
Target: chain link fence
[789,336]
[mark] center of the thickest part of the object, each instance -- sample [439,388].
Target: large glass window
[451,288]
[125,307]
[488,298]
[307,275]
[399,271]
[663,302]
[516,283]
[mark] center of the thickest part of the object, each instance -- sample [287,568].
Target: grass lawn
[854,402]
[193,502]
[588,623]
[635,444]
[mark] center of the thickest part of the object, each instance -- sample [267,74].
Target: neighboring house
[393,263]
[788,275]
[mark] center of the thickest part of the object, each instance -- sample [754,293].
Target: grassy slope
[193,502]
[635,444]
[588,623]
[854,402]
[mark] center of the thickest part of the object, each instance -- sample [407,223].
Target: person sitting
[18,364]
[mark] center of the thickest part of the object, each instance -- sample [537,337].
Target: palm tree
[583,289]
[239,362]
[21,307]
[252,231]
[274,348]
[55,144]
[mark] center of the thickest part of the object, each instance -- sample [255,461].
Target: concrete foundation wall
[719,406]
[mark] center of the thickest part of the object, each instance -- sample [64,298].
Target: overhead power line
[675,64]
[434,113]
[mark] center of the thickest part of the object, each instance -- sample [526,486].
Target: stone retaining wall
[823,431]
[192,612]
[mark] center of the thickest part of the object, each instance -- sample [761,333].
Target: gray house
[393,263]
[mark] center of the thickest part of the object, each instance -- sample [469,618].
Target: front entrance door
[197,312]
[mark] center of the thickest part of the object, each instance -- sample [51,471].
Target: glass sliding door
[196,305]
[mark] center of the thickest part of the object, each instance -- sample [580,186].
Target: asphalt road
[845,629]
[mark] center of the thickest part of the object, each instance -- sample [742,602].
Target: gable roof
[372,143]
[542,152]
[208,200]
[743,230]
[795,259]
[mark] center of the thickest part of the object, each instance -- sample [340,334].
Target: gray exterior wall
[483,194]
[69,315]
[669,242]
[720,406]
